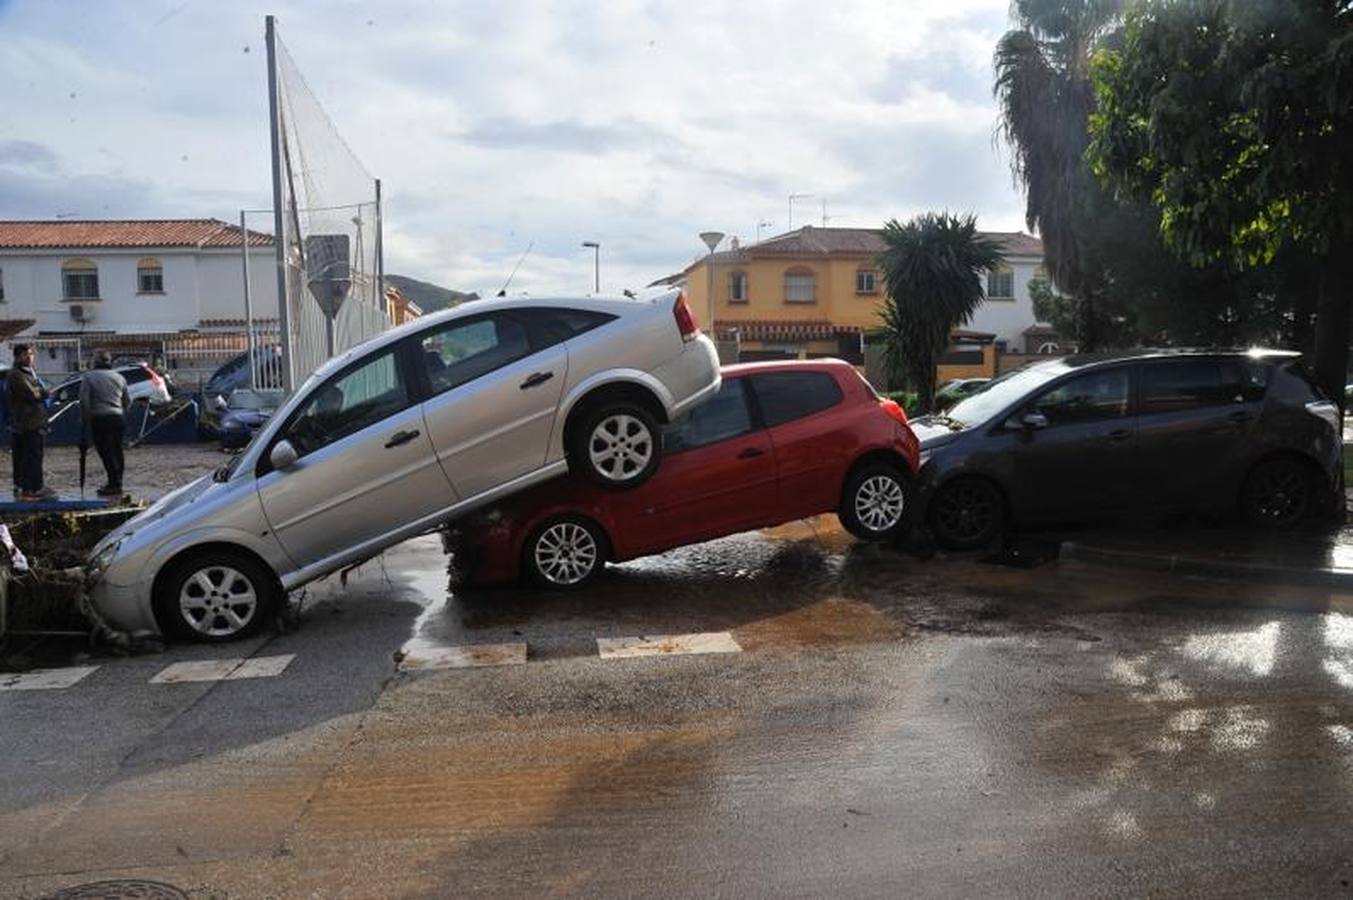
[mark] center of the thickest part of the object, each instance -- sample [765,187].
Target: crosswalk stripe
[468,656]
[667,644]
[44,679]
[224,669]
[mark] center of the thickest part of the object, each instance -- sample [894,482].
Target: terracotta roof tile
[91,234]
[811,240]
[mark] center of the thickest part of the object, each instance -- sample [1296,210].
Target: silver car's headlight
[103,558]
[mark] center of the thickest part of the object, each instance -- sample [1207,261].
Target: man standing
[29,422]
[103,403]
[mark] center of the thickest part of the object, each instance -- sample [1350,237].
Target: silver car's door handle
[537,379]
[401,437]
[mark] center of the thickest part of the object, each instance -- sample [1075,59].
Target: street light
[596,265]
[711,239]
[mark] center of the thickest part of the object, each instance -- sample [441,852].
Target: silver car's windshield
[999,394]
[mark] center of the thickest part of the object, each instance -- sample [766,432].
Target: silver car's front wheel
[215,595]
[617,445]
[567,552]
[218,602]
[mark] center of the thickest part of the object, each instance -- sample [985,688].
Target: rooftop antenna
[502,292]
[825,218]
[760,224]
[792,198]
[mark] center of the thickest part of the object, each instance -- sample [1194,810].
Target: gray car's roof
[1082,360]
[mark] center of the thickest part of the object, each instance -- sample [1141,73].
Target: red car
[778,442]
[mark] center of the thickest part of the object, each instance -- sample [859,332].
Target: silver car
[399,435]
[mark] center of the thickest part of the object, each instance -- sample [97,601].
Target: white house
[129,282]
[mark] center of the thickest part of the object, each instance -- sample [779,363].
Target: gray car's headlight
[101,560]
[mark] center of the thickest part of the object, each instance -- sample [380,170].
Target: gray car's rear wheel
[216,595]
[565,553]
[616,444]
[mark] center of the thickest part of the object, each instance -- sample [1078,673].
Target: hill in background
[429,297]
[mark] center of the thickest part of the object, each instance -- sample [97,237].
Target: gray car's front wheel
[617,445]
[215,596]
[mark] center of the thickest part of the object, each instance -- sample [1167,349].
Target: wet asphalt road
[890,728]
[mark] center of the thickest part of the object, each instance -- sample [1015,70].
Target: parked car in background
[399,435]
[956,389]
[245,413]
[235,373]
[780,441]
[1092,436]
[143,383]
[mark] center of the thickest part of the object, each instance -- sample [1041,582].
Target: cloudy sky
[497,125]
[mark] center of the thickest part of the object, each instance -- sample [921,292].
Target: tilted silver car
[400,434]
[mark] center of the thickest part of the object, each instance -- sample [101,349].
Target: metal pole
[274,127]
[380,255]
[248,308]
[596,269]
[710,288]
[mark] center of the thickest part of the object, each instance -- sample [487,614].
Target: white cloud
[636,124]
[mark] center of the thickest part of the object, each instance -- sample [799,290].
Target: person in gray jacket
[103,403]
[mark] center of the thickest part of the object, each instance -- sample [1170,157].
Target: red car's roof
[811,365]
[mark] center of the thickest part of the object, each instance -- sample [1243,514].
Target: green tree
[1044,90]
[933,270]
[1232,117]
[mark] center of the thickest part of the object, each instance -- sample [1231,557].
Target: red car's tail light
[892,409]
[685,319]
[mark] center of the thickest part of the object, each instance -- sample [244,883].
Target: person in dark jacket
[28,413]
[103,404]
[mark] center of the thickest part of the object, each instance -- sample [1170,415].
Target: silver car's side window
[349,403]
[463,351]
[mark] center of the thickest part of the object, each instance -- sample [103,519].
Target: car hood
[247,417]
[167,504]
[934,433]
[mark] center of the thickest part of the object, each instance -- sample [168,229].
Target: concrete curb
[1234,570]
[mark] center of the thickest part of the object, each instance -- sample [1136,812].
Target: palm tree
[1046,98]
[932,269]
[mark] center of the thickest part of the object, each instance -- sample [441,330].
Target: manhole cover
[122,889]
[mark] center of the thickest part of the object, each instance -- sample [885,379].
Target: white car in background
[143,383]
[399,435]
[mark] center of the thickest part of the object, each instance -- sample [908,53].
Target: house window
[800,286]
[737,287]
[149,277]
[1001,284]
[866,281]
[79,280]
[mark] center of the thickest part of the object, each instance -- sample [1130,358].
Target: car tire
[617,445]
[215,596]
[565,553]
[967,514]
[874,502]
[1277,494]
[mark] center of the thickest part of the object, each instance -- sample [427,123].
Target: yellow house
[817,292]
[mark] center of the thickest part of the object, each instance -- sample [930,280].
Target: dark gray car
[1089,436]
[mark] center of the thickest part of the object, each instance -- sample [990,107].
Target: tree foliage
[933,269]
[1233,119]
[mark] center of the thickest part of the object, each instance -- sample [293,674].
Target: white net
[330,231]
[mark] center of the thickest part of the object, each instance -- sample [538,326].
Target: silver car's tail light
[685,319]
[1323,409]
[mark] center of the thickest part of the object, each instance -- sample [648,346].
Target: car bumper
[124,608]
[692,376]
[484,555]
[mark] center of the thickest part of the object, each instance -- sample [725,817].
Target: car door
[492,397]
[717,477]
[806,417]
[1194,420]
[366,467]
[1081,461]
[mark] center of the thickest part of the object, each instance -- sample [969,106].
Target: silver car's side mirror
[283,455]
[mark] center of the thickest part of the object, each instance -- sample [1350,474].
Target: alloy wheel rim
[620,447]
[1280,494]
[218,601]
[966,512]
[566,553]
[879,503]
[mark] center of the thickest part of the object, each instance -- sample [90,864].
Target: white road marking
[667,644]
[224,669]
[469,656]
[44,679]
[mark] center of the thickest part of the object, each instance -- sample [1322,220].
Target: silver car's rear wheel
[616,445]
[565,553]
[874,502]
[215,595]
